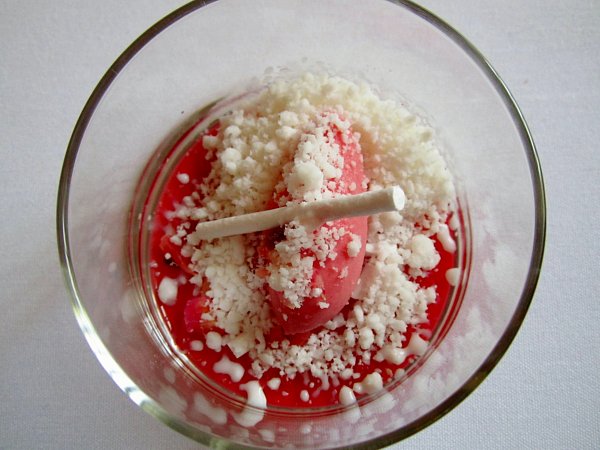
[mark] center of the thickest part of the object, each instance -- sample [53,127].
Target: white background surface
[545,392]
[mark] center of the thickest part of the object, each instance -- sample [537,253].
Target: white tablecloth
[545,392]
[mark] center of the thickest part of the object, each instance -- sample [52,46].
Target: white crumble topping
[354,246]
[304,396]
[183,178]
[175,239]
[316,292]
[214,341]
[423,254]
[453,276]
[277,142]
[274,383]
[197,346]
[167,291]
[343,273]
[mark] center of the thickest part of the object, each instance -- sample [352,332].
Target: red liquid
[194,163]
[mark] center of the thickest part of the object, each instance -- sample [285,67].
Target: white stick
[366,204]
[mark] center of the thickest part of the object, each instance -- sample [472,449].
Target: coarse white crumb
[354,246]
[183,178]
[423,253]
[453,276]
[304,395]
[167,291]
[274,383]
[196,345]
[214,341]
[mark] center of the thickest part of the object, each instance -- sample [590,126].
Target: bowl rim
[148,404]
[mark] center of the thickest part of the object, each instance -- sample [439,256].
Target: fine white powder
[252,153]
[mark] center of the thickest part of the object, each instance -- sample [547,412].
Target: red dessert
[185,316]
[307,314]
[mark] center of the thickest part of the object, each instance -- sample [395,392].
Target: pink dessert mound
[312,273]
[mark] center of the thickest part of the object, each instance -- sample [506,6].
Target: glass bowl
[207,50]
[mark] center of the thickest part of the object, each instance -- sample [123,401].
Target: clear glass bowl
[205,51]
